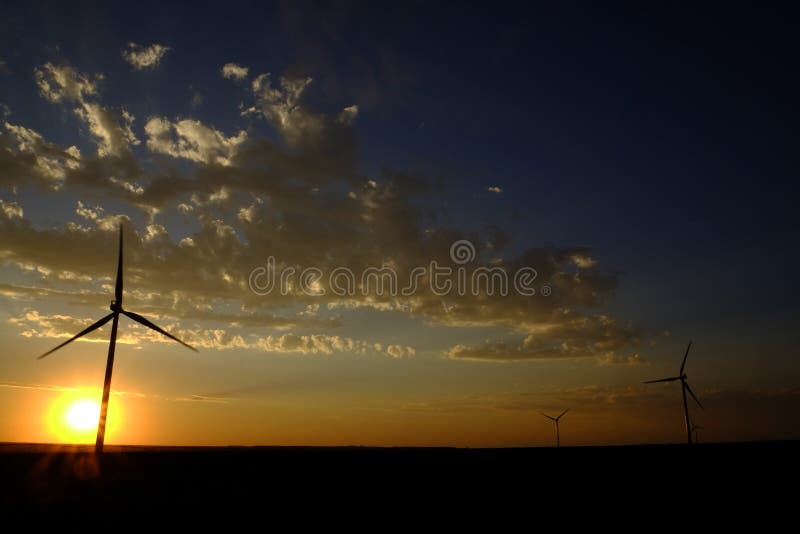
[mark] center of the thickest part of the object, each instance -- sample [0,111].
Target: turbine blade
[686,385]
[673,379]
[118,288]
[684,357]
[95,326]
[562,414]
[551,418]
[139,319]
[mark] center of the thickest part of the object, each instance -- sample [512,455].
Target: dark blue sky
[662,136]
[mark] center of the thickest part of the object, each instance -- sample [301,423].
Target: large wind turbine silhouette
[116,309]
[684,388]
[556,420]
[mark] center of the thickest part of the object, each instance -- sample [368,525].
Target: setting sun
[73,416]
[83,415]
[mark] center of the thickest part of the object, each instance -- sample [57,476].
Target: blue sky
[660,139]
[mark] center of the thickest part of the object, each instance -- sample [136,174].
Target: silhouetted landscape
[71,479]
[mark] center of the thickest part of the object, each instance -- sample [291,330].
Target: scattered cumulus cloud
[233,71]
[348,115]
[11,209]
[144,57]
[112,130]
[192,140]
[62,83]
[317,210]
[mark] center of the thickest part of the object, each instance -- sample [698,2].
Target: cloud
[40,387]
[62,83]
[495,189]
[11,209]
[144,57]
[348,115]
[400,351]
[615,359]
[35,325]
[27,157]
[578,337]
[281,107]
[300,198]
[233,71]
[111,130]
[192,140]
[96,214]
[312,344]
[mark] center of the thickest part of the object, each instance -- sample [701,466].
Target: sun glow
[73,417]
[83,415]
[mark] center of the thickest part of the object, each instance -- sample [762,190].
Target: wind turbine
[556,420]
[116,309]
[684,388]
[695,428]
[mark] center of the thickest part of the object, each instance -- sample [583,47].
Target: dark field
[71,481]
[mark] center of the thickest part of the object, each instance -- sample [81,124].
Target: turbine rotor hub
[115,307]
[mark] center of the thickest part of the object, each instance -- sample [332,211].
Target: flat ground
[72,481]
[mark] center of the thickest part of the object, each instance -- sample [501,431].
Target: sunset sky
[642,160]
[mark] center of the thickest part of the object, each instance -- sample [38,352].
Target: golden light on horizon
[73,417]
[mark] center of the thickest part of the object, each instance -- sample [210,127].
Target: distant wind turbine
[695,428]
[556,420]
[116,309]
[684,388]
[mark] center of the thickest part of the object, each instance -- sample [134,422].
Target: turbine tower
[556,420]
[116,309]
[684,388]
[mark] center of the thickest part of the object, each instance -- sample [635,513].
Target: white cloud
[50,162]
[281,107]
[127,186]
[144,57]
[192,140]
[111,131]
[247,214]
[399,351]
[63,83]
[11,210]
[233,71]
[495,189]
[112,135]
[96,214]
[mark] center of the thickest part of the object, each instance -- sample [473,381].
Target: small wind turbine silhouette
[684,388]
[556,420]
[116,309]
[695,428]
